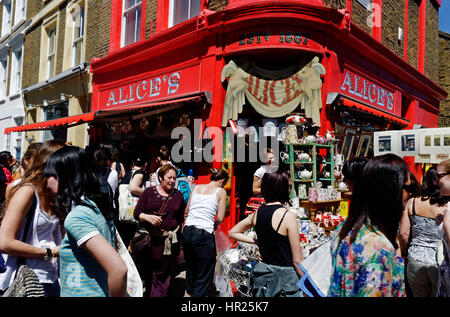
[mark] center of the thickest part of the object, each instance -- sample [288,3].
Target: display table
[320,204]
[314,205]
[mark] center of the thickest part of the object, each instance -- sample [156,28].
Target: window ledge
[14,96]
[4,36]
[17,25]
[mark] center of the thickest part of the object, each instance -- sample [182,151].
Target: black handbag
[26,283]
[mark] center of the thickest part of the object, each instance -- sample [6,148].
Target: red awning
[56,123]
[68,122]
[379,113]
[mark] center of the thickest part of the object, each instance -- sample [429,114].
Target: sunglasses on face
[410,188]
[441,175]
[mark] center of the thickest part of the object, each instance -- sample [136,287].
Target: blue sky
[444,16]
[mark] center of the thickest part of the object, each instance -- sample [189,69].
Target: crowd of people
[60,218]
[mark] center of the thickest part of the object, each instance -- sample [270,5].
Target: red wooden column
[116,23]
[422,33]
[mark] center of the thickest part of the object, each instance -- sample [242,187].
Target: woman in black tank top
[273,247]
[276,228]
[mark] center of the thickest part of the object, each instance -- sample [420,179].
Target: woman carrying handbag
[160,211]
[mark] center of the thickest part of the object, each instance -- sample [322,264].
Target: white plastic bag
[127,203]
[317,267]
[134,282]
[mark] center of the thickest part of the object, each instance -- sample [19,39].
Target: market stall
[316,198]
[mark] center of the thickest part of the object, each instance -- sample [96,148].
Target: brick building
[13,16]
[156,61]
[60,40]
[376,59]
[444,77]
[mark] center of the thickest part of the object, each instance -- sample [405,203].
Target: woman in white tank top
[31,200]
[199,245]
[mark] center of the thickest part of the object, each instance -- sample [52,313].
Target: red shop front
[260,62]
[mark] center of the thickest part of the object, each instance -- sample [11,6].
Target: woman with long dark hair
[90,266]
[364,258]
[277,239]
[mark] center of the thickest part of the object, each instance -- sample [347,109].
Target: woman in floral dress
[364,252]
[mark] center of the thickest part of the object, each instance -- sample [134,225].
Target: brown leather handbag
[142,238]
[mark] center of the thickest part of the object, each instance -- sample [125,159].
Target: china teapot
[303,157]
[305,174]
[310,139]
[342,186]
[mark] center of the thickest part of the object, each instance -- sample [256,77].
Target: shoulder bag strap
[281,220]
[28,221]
[163,206]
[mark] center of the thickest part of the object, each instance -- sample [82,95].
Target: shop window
[182,10]
[365,3]
[3,76]
[78,37]
[131,21]
[51,52]
[56,111]
[8,141]
[6,18]
[16,71]
[18,148]
[20,11]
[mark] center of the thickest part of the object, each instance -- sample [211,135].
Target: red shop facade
[182,69]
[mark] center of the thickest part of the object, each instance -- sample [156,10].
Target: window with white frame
[16,71]
[78,37]
[20,11]
[6,18]
[52,112]
[131,21]
[182,10]
[51,52]
[3,76]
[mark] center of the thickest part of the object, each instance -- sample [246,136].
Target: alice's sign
[368,92]
[151,88]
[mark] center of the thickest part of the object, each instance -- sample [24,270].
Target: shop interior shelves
[313,166]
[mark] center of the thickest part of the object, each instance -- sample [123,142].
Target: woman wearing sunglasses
[364,254]
[443,181]
[419,218]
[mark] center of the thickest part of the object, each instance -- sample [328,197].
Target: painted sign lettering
[262,37]
[146,88]
[151,88]
[367,91]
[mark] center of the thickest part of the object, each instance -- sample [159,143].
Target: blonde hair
[34,172]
